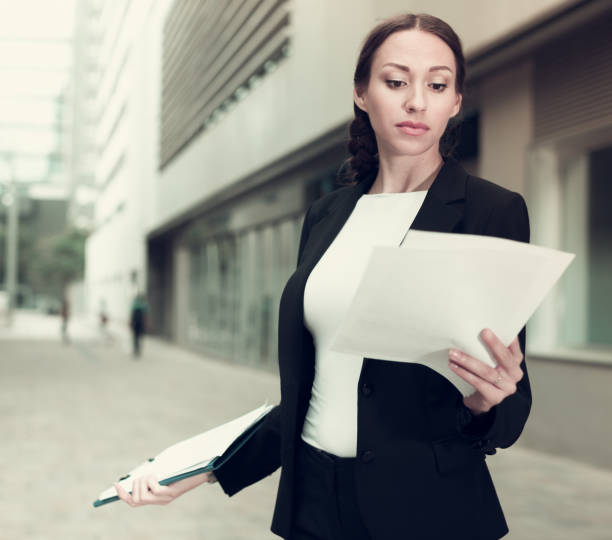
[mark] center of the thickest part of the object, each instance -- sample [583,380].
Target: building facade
[126,111]
[85,114]
[237,120]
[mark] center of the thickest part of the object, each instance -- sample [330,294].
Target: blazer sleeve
[502,425]
[260,456]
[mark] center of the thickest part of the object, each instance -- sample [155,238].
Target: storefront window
[235,284]
[569,194]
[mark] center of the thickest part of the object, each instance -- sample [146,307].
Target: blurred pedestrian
[103,322]
[65,316]
[138,315]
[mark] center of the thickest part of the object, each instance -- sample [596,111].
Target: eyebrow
[407,69]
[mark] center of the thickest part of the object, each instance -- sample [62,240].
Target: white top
[381,219]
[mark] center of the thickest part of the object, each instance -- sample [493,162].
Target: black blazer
[420,454]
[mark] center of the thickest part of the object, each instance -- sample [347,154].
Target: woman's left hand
[492,385]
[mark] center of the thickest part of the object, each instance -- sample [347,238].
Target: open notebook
[204,452]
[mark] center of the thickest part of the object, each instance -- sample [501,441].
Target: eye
[438,87]
[394,83]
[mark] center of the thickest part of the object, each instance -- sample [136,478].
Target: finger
[496,377]
[502,354]
[515,348]
[123,494]
[158,494]
[148,497]
[476,367]
[504,381]
[490,393]
[135,497]
[156,488]
[516,372]
[137,491]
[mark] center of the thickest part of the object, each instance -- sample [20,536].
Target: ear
[359,99]
[457,105]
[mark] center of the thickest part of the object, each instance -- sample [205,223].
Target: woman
[372,449]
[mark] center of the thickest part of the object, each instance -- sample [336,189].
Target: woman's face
[411,93]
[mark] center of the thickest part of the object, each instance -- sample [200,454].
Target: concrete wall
[571,409]
[506,125]
[477,22]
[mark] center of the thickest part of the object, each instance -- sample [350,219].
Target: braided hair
[362,147]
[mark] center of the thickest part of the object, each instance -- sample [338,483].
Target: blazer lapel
[442,209]
[328,226]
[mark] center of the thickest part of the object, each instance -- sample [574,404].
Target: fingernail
[454,354]
[486,333]
[453,365]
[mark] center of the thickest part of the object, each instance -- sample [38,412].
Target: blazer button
[367,456]
[366,389]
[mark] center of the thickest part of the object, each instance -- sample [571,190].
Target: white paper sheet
[439,290]
[192,453]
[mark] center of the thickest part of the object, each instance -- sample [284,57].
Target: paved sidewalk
[75,417]
[34,325]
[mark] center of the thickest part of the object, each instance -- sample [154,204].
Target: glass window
[599,277]
[569,195]
[236,281]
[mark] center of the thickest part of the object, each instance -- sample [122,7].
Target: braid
[363,149]
[451,138]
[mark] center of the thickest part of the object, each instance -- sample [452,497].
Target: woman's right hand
[147,490]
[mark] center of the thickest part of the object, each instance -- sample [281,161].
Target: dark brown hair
[362,141]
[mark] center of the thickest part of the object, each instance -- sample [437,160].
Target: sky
[35,61]
[41,19]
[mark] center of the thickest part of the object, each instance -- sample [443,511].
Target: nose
[415,100]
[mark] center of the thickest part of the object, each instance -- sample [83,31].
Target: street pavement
[74,417]
[33,325]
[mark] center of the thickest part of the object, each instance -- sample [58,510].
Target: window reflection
[569,199]
[236,280]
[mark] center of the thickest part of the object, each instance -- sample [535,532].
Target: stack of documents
[202,453]
[440,290]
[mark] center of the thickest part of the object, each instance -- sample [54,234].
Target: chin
[413,148]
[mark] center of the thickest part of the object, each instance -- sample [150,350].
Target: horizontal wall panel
[573,80]
[213,52]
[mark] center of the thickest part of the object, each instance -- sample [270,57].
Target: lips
[414,125]
[413,128]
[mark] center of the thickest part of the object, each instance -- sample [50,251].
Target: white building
[223,121]
[126,105]
[85,114]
